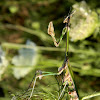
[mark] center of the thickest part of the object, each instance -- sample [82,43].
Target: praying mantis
[68,81]
[68,77]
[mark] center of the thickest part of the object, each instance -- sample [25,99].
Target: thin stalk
[19,46]
[67,42]
[90,96]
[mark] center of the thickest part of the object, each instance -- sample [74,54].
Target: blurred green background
[26,47]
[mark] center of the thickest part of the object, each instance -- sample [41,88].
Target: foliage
[21,20]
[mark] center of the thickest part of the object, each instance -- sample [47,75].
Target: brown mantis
[68,78]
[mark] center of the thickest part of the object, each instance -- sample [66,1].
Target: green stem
[19,46]
[90,96]
[67,42]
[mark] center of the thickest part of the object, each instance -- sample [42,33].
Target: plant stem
[19,46]
[90,96]
[67,42]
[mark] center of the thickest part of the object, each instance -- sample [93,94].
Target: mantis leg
[51,32]
[42,74]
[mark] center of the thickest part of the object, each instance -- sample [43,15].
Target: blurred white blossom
[83,22]
[25,61]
